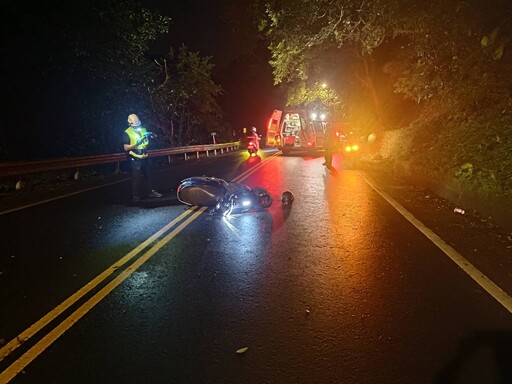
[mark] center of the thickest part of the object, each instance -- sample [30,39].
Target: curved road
[339,288]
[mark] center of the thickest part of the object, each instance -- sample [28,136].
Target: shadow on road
[486,357]
[165,200]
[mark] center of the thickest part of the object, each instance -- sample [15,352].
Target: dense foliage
[446,56]
[74,71]
[185,102]
[440,72]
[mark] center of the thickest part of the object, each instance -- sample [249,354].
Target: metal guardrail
[29,167]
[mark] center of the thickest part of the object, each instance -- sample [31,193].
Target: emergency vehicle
[296,130]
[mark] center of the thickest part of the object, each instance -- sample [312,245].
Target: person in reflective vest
[135,142]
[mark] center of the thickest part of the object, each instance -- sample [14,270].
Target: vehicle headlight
[352,148]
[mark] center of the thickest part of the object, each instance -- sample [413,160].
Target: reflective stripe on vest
[135,135]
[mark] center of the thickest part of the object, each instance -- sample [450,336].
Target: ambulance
[296,130]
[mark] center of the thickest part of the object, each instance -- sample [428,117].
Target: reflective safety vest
[136,135]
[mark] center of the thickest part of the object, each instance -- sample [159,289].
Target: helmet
[287,198]
[253,129]
[133,119]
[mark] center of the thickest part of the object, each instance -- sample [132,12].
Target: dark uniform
[328,145]
[140,164]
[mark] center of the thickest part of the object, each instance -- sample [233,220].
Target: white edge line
[10,347]
[62,196]
[240,177]
[487,284]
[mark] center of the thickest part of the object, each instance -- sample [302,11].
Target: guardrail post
[19,185]
[197,155]
[215,152]
[222,150]
[118,168]
[186,158]
[207,153]
[76,175]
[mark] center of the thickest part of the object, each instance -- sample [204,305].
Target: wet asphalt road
[340,288]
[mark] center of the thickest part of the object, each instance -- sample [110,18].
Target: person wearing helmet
[135,142]
[255,137]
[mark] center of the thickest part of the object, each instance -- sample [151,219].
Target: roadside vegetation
[431,81]
[73,72]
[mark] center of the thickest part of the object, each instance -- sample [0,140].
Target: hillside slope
[467,160]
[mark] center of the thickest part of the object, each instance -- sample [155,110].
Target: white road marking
[62,196]
[494,290]
[17,366]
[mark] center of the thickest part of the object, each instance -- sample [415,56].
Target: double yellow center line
[16,367]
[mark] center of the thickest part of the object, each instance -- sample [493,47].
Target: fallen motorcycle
[222,197]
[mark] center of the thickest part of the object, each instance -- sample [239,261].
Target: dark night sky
[249,96]
[241,60]
[198,24]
